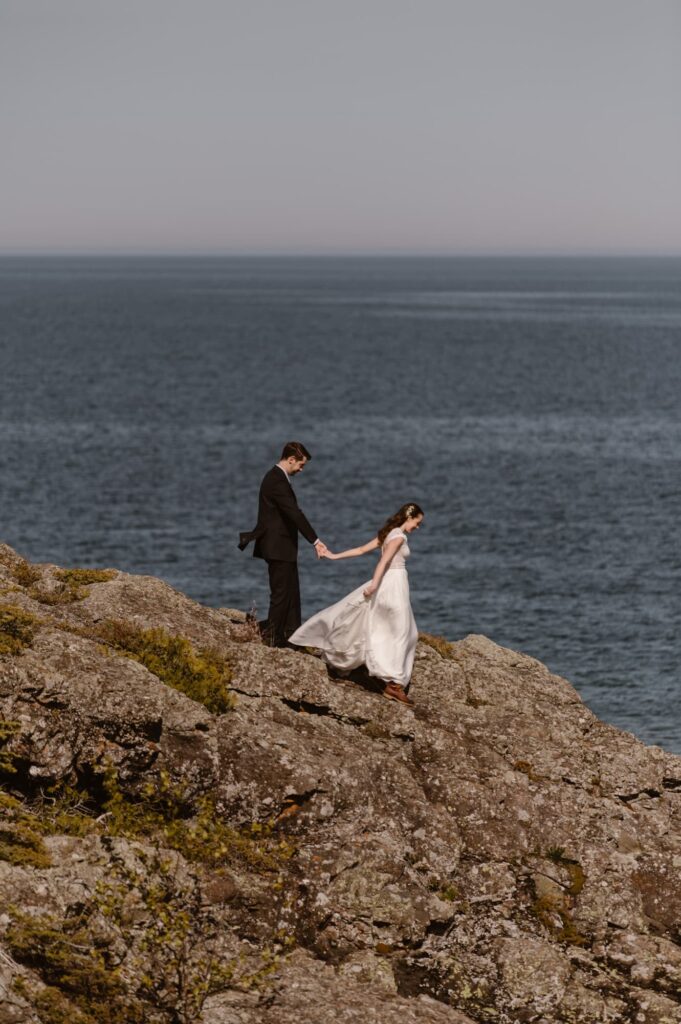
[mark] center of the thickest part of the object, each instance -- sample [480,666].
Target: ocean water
[531,406]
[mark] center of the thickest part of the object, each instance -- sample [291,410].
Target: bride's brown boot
[393,691]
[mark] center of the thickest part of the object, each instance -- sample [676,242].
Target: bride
[374,625]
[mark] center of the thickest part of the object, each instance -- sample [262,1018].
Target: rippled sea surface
[531,406]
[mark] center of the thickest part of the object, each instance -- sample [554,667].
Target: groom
[276,540]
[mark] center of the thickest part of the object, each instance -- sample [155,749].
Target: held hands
[321,549]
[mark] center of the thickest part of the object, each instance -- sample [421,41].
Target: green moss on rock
[71,584]
[25,574]
[76,971]
[557,855]
[21,834]
[163,812]
[439,644]
[8,729]
[85,577]
[204,675]
[17,628]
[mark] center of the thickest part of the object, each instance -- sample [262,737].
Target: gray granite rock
[496,854]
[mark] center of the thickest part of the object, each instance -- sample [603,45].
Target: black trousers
[283,617]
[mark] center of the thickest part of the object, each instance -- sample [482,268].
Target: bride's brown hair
[408,511]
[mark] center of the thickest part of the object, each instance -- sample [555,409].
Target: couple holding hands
[374,625]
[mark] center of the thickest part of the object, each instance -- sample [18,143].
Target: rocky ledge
[198,828]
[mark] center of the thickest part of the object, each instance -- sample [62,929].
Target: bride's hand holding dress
[390,548]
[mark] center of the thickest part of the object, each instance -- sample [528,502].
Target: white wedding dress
[379,632]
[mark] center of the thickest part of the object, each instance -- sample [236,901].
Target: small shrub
[140,948]
[17,628]
[248,632]
[204,676]
[171,976]
[23,824]
[439,644]
[159,803]
[163,812]
[210,841]
[66,811]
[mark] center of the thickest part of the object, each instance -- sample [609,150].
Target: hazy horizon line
[343,253]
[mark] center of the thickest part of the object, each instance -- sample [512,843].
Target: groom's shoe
[393,691]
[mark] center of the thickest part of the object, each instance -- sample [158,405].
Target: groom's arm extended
[283,498]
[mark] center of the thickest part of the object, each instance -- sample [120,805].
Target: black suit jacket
[279,521]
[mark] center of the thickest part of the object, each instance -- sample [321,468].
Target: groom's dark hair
[296,450]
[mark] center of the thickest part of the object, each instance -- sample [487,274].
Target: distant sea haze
[531,406]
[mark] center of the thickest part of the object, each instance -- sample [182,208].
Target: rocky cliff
[198,828]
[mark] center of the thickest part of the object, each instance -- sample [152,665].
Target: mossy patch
[162,813]
[71,585]
[446,651]
[376,731]
[527,768]
[439,644]
[85,577]
[21,834]
[61,594]
[52,1006]
[24,823]
[553,910]
[204,675]
[8,729]
[74,969]
[557,855]
[17,628]
[25,574]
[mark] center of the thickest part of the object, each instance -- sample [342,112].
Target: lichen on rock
[306,851]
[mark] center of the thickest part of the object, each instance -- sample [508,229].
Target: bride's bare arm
[389,552]
[354,552]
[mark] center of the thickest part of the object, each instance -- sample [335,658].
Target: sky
[397,126]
